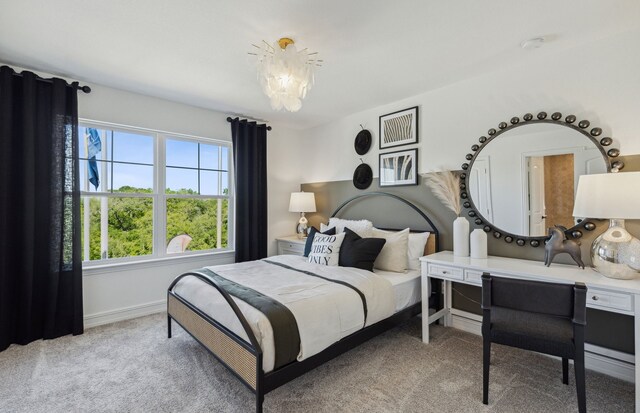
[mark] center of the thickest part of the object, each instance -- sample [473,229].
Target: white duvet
[324,311]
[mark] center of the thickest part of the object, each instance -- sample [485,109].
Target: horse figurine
[558,243]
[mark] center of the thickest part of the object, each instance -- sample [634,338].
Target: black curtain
[40,261]
[250,163]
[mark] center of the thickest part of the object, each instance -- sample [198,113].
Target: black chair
[538,316]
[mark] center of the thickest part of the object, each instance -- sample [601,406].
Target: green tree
[130,222]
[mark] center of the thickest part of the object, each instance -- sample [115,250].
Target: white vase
[461,237]
[478,244]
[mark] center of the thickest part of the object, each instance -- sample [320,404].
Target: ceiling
[375,51]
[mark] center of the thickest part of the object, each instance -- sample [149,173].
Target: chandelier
[285,74]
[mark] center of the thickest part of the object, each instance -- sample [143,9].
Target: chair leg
[578,365]
[168,326]
[486,361]
[565,371]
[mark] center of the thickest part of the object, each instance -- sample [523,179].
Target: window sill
[208,258]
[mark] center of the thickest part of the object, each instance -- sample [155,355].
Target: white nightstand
[291,245]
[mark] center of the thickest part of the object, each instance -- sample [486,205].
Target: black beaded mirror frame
[556,119]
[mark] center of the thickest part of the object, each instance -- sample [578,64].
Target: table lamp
[614,196]
[302,202]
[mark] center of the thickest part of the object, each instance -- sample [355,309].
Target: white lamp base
[616,253]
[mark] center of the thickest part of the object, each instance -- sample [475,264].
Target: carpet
[131,366]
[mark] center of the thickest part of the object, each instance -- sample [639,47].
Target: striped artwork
[399,128]
[398,168]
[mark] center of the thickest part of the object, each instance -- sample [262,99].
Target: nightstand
[291,245]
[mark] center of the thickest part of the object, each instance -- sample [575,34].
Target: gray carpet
[132,367]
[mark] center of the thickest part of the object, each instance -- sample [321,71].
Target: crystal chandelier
[286,74]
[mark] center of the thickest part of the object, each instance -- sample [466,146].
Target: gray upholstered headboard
[389,211]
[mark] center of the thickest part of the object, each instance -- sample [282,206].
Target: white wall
[599,82]
[111,105]
[121,292]
[286,161]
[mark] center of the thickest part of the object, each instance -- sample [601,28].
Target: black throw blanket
[286,336]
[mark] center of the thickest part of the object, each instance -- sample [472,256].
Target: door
[537,218]
[480,187]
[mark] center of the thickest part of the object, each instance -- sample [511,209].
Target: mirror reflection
[524,180]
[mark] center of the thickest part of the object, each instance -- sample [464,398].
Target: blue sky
[138,148]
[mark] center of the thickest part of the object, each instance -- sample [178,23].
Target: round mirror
[522,178]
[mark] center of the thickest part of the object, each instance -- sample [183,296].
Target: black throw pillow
[312,233]
[359,252]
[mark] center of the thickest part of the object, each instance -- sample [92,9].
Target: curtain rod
[229,119]
[75,85]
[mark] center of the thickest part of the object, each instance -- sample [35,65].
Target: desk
[607,294]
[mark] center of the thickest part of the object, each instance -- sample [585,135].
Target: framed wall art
[399,128]
[399,168]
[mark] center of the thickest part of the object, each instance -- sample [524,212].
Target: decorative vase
[461,237]
[478,244]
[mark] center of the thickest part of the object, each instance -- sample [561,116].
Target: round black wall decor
[362,143]
[362,176]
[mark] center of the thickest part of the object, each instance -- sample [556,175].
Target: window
[146,194]
[197,184]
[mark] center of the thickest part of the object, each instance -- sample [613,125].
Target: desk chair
[538,316]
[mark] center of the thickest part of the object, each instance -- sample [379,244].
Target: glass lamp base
[301,228]
[616,253]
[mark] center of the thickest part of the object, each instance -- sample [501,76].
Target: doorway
[551,192]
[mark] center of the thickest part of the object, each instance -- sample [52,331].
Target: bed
[266,343]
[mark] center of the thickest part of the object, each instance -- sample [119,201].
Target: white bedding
[324,311]
[406,287]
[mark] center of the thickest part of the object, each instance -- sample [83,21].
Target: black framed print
[399,128]
[399,168]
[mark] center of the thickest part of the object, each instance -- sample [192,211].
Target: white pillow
[417,242]
[361,227]
[393,256]
[325,249]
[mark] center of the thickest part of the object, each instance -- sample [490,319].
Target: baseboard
[120,314]
[610,362]
[466,324]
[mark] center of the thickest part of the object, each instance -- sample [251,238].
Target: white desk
[618,296]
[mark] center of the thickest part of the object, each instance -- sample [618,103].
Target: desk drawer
[442,271]
[609,300]
[473,277]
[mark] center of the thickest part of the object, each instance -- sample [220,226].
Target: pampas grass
[446,187]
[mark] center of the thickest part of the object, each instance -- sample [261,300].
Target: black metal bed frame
[244,359]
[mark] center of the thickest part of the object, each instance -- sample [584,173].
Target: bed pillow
[359,252]
[325,249]
[312,233]
[393,256]
[415,250]
[361,227]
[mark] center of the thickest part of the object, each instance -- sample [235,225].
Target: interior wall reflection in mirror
[525,180]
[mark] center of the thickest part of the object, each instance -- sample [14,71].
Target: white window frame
[160,196]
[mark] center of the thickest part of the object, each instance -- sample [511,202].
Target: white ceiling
[375,51]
